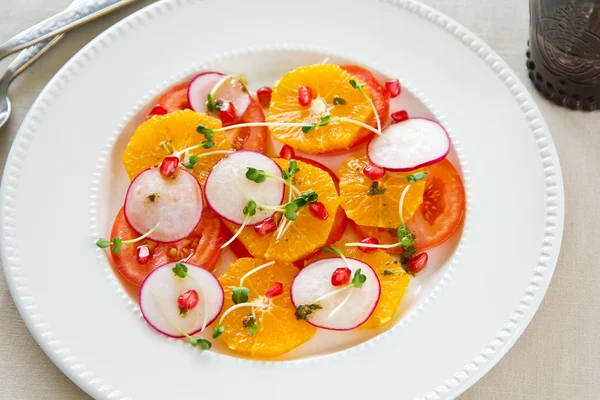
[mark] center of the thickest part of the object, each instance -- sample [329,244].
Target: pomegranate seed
[373,172]
[264,95]
[304,96]
[287,152]
[369,240]
[393,86]
[341,276]
[169,166]
[400,116]
[318,210]
[142,254]
[227,113]
[265,227]
[275,290]
[157,110]
[188,299]
[417,263]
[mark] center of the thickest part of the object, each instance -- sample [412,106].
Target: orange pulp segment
[278,329]
[306,233]
[326,83]
[376,207]
[163,135]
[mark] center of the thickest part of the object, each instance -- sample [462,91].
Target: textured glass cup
[564,51]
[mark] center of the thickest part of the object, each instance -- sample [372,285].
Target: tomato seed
[393,86]
[188,299]
[287,152]
[169,166]
[400,116]
[318,210]
[417,263]
[143,254]
[341,276]
[373,172]
[227,113]
[172,252]
[157,110]
[265,227]
[304,96]
[275,290]
[369,240]
[264,95]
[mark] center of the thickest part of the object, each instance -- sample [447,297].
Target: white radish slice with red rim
[410,144]
[230,90]
[158,300]
[174,203]
[314,282]
[228,190]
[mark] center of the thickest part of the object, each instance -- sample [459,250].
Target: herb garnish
[387,272]
[180,270]
[182,311]
[359,279]
[240,295]
[116,243]
[208,134]
[304,310]
[337,101]
[313,125]
[151,197]
[192,161]
[374,189]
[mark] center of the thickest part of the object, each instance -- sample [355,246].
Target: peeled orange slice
[326,82]
[306,233]
[278,329]
[163,135]
[370,204]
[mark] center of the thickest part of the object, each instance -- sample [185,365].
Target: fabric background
[558,356]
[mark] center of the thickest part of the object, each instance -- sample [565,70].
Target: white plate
[64,180]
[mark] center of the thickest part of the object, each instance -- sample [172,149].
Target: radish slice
[410,144]
[232,90]
[174,203]
[228,191]
[158,300]
[314,281]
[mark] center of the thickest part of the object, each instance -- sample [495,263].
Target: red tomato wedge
[250,138]
[439,215]
[176,98]
[203,245]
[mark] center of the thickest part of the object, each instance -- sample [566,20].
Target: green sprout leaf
[207,144]
[207,132]
[356,85]
[218,331]
[117,243]
[417,176]
[375,190]
[103,243]
[311,196]
[240,295]
[192,161]
[250,209]
[303,311]
[291,215]
[291,170]
[359,279]
[210,103]
[202,343]
[256,175]
[338,101]
[253,329]
[332,250]
[309,127]
[324,120]
[180,270]
[402,232]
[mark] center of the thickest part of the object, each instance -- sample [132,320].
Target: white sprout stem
[260,205]
[374,109]
[287,182]
[342,304]
[346,261]
[325,60]
[401,204]
[144,236]
[252,271]
[241,228]
[202,299]
[362,124]
[164,314]
[289,223]
[284,223]
[267,124]
[210,153]
[235,307]
[222,81]
[333,293]
[373,246]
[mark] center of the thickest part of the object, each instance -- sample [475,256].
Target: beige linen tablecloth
[558,356]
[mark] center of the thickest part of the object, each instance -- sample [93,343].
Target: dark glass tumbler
[564,51]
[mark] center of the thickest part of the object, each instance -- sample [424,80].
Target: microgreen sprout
[249,211]
[240,295]
[313,125]
[219,328]
[181,270]
[202,343]
[412,178]
[359,86]
[260,176]
[209,135]
[192,161]
[118,242]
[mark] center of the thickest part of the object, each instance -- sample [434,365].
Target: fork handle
[61,22]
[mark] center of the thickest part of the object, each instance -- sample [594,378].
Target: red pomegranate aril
[369,240]
[188,299]
[318,210]
[265,227]
[393,86]
[157,110]
[287,152]
[373,172]
[400,116]
[275,290]
[264,95]
[341,276]
[417,263]
[304,96]
[143,254]
[227,113]
[169,166]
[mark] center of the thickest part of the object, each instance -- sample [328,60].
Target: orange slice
[376,208]
[162,135]
[392,277]
[326,83]
[306,233]
[278,329]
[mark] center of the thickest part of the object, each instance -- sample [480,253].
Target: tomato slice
[438,216]
[250,138]
[202,247]
[175,98]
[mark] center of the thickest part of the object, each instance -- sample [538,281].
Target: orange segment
[306,233]
[162,135]
[278,329]
[380,210]
[392,277]
[326,82]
